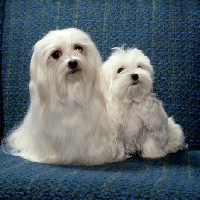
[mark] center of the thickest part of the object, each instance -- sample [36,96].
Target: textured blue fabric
[167,31]
[173,177]
[2,4]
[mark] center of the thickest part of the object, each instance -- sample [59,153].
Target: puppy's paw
[174,146]
[151,149]
[176,139]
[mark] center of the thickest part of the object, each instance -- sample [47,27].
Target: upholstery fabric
[168,32]
[173,177]
[2,3]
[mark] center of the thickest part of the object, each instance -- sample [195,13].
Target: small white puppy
[138,115]
[67,121]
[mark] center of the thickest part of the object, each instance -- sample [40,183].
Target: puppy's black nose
[135,77]
[72,64]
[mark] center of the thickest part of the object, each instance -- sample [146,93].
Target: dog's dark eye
[120,70]
[79,48]
[139,66]
[56,54]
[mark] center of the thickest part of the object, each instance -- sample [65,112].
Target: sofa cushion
[173,177]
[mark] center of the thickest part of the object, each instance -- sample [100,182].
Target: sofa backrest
[167,31]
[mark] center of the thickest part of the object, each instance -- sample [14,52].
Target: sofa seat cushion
[173,177]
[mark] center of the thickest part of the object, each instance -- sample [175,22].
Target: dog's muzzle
[73,66]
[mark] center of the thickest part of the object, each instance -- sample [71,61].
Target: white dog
[67,121]
[139,117]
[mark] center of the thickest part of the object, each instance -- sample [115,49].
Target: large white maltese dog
[67,121]
[141,121]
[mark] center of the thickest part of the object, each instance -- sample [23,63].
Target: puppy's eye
[79,48]
[56,54]
[139,66]
[120,70]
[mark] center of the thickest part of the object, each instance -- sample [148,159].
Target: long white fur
[67,121]
[138,115]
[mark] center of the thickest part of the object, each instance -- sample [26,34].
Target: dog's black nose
[72,64]
[135,77]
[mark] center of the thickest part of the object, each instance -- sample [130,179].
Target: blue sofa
[168,32]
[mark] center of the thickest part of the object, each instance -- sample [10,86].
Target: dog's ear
[37,69]
[33,67]
[106,77]
[39,78]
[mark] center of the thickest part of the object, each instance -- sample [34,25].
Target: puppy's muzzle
[135,78]
[73,66]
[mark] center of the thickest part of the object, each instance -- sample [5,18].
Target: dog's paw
[151,149]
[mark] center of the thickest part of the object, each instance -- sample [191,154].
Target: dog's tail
[176,137]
